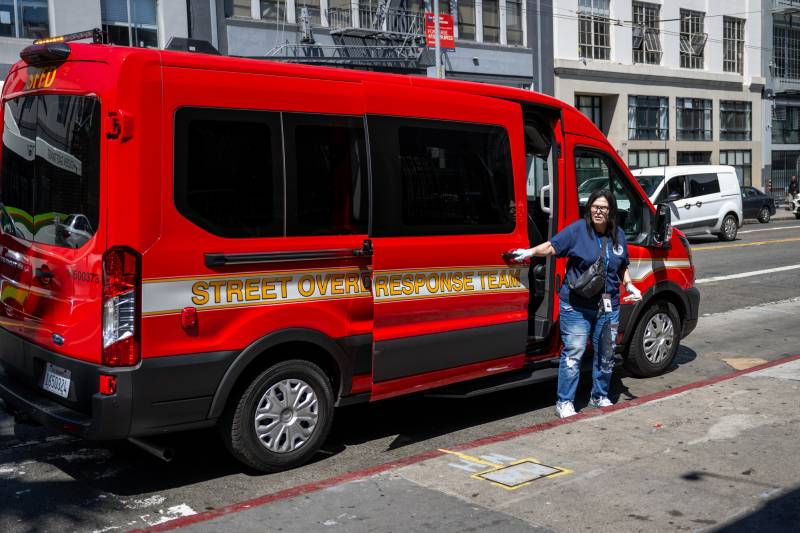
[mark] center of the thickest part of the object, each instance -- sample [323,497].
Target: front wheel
[655,341]
[764,215]
[729,228]
[281,418]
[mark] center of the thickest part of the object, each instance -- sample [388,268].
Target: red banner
[446,37]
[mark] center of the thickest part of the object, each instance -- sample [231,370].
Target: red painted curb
[360,474]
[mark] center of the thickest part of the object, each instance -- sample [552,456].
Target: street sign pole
[438,45]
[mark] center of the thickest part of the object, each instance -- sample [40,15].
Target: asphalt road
[50,482]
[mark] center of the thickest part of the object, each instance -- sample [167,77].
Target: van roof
[118,54]
[679,170]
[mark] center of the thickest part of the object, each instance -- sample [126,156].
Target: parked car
[705,199]
[756,204]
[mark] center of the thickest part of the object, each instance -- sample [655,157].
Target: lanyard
[600,246]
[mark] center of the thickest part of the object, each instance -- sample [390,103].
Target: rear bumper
[159,395]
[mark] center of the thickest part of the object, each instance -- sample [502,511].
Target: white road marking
[747,274]
[768,229]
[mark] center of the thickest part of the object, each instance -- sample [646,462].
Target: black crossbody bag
[593,281]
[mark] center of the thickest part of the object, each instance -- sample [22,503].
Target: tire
[729,228]
[645,359]
[289,444]
[797,216]
[764,215]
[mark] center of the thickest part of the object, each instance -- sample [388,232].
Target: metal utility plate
[519,473]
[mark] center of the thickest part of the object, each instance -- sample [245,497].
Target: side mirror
[674,196]
[661,228]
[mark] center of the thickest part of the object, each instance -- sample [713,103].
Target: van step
[528,375]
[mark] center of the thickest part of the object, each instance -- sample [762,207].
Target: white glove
[521,254]
[633,293]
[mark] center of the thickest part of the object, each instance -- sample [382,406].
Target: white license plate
[56,380]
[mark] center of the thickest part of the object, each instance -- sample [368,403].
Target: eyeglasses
[599,209]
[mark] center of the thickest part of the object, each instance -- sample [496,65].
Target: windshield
[649,183]
[50,179]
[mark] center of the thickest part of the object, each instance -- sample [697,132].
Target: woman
[596,317]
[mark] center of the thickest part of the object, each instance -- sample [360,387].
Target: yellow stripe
[471,459]
[239,275]
[744,244]
[258,303]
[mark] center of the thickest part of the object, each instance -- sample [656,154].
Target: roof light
[96,35]
[45,53]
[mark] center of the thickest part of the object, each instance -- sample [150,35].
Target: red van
[192,240]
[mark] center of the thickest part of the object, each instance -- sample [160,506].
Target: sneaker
[565,409]
[602,401]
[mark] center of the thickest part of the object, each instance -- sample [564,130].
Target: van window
[677,185]
[50,178]
[228,171]
[440,178]
[595,170]
[326,175]
[702,184]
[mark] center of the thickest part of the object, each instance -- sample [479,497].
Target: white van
[705,199]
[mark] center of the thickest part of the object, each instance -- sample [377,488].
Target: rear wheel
[764,215]
[729,228]
[281,418]
[655,340]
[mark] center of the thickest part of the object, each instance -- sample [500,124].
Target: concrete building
[668,82]
[781,67]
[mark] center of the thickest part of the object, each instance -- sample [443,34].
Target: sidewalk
[721,455]
[780,214]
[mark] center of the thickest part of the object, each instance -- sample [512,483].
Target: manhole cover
[516,475]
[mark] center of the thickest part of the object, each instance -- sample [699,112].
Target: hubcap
[286,415]
[730,228]
[659,335]
[764,214]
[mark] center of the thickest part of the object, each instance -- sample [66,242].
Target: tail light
[121,282]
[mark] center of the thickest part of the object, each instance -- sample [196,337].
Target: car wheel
[655,341]
[281,418]
[797,216]
[729,228]
[764,215]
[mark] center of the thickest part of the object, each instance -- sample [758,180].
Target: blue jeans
[577,325]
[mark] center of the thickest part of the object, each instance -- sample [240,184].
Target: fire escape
[379,37]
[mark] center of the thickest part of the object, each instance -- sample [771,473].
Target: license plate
[56,380]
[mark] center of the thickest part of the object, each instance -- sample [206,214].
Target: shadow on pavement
[779,514]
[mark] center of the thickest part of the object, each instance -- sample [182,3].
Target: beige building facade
[668,82]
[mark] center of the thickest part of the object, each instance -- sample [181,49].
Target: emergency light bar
[96,35]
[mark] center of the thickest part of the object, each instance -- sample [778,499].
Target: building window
[694,119]
[130,22]
[694,158]
[238,8]
[313,10]
[272,10]
[648,117]
[491,21]
[647,158]
[732,44]
[26,19]
[786,52]
[514,22]
[786,125]
[692,38]
[591,107]
[646,38]
[466,20]
[735,121]
[594,41]
[741,161]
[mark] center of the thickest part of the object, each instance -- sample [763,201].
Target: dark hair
[611,227]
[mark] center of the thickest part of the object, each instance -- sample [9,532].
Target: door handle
[699,203]
[687,206]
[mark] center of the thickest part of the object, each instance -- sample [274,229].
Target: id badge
[606,302]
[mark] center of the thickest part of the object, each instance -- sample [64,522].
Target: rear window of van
[50,177]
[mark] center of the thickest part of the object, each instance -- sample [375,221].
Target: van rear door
[50,247]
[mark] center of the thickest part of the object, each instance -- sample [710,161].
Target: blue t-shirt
[582,247]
